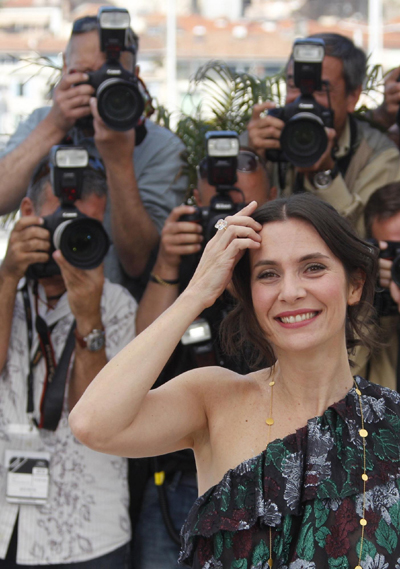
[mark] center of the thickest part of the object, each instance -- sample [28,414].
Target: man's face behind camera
[83,54]
[332,75]
[254,185]
[387,229]
[92,206]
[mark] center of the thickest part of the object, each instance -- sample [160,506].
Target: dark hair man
[177,258]
[358,158]
[382,221]
[76,514]
[143,176]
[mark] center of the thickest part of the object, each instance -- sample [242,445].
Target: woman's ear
[356,287]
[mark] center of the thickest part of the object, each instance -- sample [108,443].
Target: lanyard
[52,398]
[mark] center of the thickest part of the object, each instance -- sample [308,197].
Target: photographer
[382,221]
[143,165]
[75,512]
[168,500]
[358,158]
[386,114]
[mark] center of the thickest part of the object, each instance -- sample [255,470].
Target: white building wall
[231,9]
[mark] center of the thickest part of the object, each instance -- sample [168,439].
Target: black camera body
[222,150]
[383,302]
[392,253]
[82,240]
[303,139]
[120,100]
[220,207]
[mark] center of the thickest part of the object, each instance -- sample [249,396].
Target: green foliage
[226,101]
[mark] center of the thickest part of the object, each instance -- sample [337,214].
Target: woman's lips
[297,319]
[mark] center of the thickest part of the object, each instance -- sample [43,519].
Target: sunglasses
[248,161]
[85,24]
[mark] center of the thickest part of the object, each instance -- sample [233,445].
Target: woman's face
[299,288]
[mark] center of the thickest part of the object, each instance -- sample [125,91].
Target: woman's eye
[267,275]
[315,268]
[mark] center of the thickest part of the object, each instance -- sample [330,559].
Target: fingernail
[41,220]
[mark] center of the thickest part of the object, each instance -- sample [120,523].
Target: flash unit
[199,331]
[222,144]
[114,18]
[307,51]
[70,157]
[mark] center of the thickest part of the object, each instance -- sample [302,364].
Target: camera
[119,98]
[383,302]
[82,240]
[303,139]
[392,253]
[222,150]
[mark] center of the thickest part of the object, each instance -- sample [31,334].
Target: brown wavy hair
[241,330]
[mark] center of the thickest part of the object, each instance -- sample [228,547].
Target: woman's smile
[297,318]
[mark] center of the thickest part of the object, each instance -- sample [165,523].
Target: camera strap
[141,132]
[52,399]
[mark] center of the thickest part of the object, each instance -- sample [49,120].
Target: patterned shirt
[86,515]
[304,495]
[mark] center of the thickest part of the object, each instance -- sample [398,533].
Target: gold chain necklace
[363,434]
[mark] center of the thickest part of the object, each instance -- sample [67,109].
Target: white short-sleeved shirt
[86,515]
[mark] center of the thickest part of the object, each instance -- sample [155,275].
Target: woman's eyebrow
[272,263]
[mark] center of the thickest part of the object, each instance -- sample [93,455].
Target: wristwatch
[322,180]
[93,342]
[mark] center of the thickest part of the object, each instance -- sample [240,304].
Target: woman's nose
[292,289]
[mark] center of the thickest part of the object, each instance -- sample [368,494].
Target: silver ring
[221,225]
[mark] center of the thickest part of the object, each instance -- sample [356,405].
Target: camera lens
[120,104]
[304,139]
[83,242]
[396,270]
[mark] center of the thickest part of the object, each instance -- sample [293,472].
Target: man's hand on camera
[84,289]
[71,100]
[264,130]
[385,276]
[385,268]
[386,113]
[115,147]
[179,238]
[28,243]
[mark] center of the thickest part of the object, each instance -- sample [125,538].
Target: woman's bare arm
[117,414]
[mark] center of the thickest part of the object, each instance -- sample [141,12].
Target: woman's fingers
[241,232]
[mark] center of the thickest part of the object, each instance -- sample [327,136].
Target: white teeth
[298,318]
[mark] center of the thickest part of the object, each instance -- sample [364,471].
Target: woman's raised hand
[222,252]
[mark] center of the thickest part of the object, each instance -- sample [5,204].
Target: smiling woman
[298,463]
[306,244]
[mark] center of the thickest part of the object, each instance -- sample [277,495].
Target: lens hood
[303,139]
[120,103]
[83,242]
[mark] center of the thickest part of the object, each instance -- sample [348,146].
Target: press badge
[27,476]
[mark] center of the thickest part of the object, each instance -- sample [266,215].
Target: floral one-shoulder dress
[304,496]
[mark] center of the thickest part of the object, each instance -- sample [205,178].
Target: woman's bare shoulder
[211,381]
